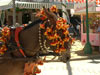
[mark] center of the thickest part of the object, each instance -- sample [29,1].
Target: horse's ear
[46,11]
[51,16]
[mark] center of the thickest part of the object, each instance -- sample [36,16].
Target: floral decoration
[57,40]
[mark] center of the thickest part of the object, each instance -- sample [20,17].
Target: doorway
[26,18]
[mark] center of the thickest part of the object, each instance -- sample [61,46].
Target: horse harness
[14,40]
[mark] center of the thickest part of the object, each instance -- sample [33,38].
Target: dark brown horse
[29,41]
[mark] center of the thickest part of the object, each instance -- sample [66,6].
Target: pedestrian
[78,30]
[98,31]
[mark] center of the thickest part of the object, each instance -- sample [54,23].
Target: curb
[85,58]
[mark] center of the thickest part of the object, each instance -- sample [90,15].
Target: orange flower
[2,39]
[62,49]
[51,37]
[46,33]
[42,12]
[60,19]
[2,49]
[58,27]
[61,42]
[66,39]
[64,20]
[54,43]
[53,8]
[49,29]
[66,32]
[56,35]
[37,71]
[6,31]
[42,26]
[64,27]
[39,61]
[57,50]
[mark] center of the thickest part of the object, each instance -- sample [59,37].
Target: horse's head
[48,15]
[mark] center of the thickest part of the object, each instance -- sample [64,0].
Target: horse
[29,41]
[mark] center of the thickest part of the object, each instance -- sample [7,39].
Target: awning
[36,5]
[81,7]
[5,4]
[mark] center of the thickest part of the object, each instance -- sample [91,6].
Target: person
[29,22]
[98,29]
[78,30]
[17,25]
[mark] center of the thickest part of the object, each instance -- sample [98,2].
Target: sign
[79,1]
[81,7]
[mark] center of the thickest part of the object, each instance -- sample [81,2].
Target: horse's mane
[33,23]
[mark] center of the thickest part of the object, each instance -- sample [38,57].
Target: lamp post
[14,13]
[87,48]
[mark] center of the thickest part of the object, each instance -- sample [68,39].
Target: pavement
[86,64]
[82,67]
[77,52]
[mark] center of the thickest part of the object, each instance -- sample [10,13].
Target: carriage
[48,35]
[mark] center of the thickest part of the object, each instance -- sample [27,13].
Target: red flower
[6,31]
[66,39]
[43,17]
[54,43]
[58,27]
[51,37]
[42,26]
[64,20]
[56,35]
[37,70]
[57,50]
[62,42]
[42,12]
[40,61]
[62,49]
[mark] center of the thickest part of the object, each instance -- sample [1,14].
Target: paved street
[78,67]
[83,67]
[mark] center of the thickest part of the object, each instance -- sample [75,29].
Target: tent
[6,4]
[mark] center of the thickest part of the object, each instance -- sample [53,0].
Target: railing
[49,1]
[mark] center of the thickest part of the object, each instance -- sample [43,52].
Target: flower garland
[5,34]
[3,47]
[53,35]
[6,31]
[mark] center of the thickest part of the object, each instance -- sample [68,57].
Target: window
[93,22]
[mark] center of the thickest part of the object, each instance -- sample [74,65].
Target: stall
[93,21]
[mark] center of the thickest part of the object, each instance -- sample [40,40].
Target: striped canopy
[35,5]
[74,1]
